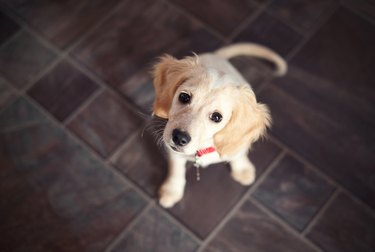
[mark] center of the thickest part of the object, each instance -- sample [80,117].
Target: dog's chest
[207,159]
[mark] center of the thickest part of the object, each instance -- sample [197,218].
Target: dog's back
[215,61]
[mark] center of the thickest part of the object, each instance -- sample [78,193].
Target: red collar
[205,151]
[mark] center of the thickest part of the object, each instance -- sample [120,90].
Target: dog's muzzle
[180,138]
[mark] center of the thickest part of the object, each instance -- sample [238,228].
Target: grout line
[34,32]
[287,23]
[75,62]
[139,217]
[117,151]
[263,86]
[13,128]
[25,27]
[106,163]
[46,42]
[175,221]
[60,56]
[82,106]
[128,228]
[357,12]
[239,203]
[15,90]
[66,54]
[319,214]
[284,225]
[104,18]
[60,53]
[139,132]
[323,20]
[63,55]
[85,146]
[129,182]
[12,38]
[83,68]
[192,17]
[170,216]
[41,74]
[106,87]
[322,174]
[122,142]
[306,37]
[247,21]
[268,170]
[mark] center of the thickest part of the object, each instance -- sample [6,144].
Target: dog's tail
[255,50]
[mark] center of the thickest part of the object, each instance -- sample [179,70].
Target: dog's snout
[180,138]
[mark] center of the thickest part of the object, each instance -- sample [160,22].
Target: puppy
[213,115]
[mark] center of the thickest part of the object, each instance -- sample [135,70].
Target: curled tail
[255,50]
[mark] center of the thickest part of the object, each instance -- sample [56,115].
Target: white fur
[215,86]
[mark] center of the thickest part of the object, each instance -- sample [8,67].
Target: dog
[212,114]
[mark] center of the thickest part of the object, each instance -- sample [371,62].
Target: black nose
[180,138]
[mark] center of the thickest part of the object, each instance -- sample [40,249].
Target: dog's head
[205,107]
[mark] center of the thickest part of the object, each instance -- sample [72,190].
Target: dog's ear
[169,74]
[249,122]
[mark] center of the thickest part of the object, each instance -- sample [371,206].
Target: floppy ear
[169,74]
[249,122]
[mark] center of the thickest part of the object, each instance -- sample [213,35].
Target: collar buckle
[198,155]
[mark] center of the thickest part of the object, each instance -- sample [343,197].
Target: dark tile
[260,1]
[155,232]
[269,31]
[7,27]
[303,14]
[250,229]
[351,70]
[143,162]
[61,22]
[105,123]
[324,118]
[345,226]
[20,114]
[223,16]
[138,32]
[62,90]
[207,201]
[262,153]
[324,127]
[55,195]
[365,7]
[293,192]
[7,93]
[140,90]
[256,72]
[23,58]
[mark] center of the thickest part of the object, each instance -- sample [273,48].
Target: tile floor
[79,172]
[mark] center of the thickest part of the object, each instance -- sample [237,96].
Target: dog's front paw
[244,176]
[169,195]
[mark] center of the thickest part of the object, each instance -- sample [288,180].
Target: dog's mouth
[181,150]
[175,148]
[178,149]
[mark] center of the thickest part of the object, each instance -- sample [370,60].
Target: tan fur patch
[169,74]
[248,123]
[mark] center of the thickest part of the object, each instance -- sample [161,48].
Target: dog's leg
[243,171]
[172,189]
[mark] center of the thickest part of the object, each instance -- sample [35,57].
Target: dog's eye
[184,98]
[216,117]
